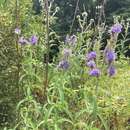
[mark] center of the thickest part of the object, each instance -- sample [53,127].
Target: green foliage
[67,10]
[75,100]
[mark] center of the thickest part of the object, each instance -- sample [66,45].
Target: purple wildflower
[95,72]
[91,56]
[67,52]
[22,40]
[117,28]
[64,64]
[33,40]
[71,40]
[110,56]
[91,64]
[111,71]
[17,31]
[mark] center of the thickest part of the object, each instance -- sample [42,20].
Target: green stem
[17,50]
[17,47]
[48,48]
[96,99]
[76,9]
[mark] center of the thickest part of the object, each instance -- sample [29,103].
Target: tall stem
[76,9]
[102,13]
[17,47]
[47,47]
[96,100]
[17,50]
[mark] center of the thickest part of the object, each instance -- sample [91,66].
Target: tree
[65,15]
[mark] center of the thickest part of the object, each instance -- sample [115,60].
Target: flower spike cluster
[91,56]
[94,71]
[111,70]
[22,40]
[64,63]
[110,57]
[91,64]
[17,31]
[117,28]
[71,40]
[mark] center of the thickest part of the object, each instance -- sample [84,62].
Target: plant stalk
[47,48]
[17,50]
[76,9]
[17,47]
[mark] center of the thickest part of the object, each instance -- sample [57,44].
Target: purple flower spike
[95,72]
[17,31]
[117,28]
[33,40]
[22,41]
[111,71]
[67,52]
[64,64]
[91,64]
[110,56]
[91,56]
[71,40]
